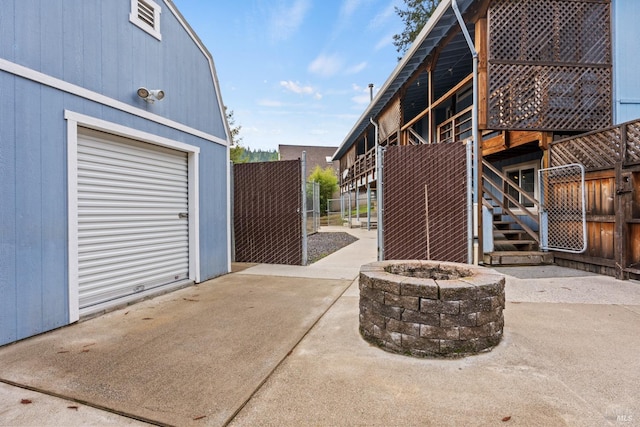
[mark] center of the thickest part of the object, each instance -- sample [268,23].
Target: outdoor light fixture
[150,95]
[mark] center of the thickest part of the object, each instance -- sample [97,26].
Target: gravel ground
[319,245]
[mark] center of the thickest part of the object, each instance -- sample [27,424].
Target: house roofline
[428,39]
[212,67]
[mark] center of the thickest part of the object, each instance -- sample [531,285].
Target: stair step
[508,231]
[518,258]
[515,242]
[503,222]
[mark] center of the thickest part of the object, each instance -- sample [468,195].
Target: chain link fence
[313,207]
[353,211]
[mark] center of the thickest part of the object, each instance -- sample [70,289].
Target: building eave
[434,32]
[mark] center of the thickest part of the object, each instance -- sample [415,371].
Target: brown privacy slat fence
[425,202]
[549,64]
[267,216]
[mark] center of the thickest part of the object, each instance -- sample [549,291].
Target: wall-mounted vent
[146,15]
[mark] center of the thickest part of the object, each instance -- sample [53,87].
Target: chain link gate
[563,225]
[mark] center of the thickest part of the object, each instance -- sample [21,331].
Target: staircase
[514,226]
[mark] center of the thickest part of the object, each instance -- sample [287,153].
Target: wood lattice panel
[633,142]
[389,120]
[596,150]
[600,149]
[550,31]
[549,65]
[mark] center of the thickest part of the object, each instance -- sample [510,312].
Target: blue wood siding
[213,207]
[91,44]
[626,60]
[8,274]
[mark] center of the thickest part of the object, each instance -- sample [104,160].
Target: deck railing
[457,128]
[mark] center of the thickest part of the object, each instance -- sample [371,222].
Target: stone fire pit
[431,308]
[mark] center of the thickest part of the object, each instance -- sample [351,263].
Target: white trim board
[76,120]
[38,77]
[212,66]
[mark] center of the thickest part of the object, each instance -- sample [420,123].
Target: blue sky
[296,71]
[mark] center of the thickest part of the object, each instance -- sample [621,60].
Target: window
[526,177]
[146,15]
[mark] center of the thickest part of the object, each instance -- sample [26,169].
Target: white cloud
[384,42]
[285,21]
[295,87]
[382,18]
[349,7]
[326,65]
[355,69]
[363,95]
[361,99]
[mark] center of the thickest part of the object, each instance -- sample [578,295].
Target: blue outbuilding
[114,159]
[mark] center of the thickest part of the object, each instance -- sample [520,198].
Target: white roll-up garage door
[133,231]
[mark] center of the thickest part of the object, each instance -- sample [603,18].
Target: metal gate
[563,225]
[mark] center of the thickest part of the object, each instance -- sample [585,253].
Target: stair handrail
[518,221]
[504,195]
[509,197]
[506,179]
[416,135]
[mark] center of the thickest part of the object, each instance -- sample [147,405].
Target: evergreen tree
[415,15]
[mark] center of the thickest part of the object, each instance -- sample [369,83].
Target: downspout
[472,219]
[378,194]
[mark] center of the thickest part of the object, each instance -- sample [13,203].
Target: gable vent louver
[146,13]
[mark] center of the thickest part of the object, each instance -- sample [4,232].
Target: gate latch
[183,215]
[626,183]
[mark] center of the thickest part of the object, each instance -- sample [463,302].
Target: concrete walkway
[279,345]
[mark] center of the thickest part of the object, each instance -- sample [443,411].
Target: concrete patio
[279,345]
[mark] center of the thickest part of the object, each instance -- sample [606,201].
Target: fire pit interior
[430,308]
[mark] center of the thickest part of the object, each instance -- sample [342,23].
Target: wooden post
[481,44]
[623,210]
[483,82]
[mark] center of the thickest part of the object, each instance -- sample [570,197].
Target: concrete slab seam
[84,402]
[275,368]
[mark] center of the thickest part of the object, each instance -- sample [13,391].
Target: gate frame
[544,216]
